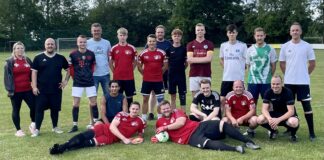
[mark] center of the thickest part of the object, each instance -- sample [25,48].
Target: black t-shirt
[82,64]
[177,57]
[278,102]
[49,72]
[207,104]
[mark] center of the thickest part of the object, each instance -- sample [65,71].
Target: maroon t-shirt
[200,50]
[21,73]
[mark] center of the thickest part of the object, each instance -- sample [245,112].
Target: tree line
[31,21]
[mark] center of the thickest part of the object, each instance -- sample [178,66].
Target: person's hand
[63,84]
[10,94]
[35,91]
[154,139]
[235,123]
[127,141]
[274,123]
[137,140]
[239,121]
[161,129]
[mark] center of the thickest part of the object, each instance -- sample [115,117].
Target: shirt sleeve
[65,63]
[311,53]
[273,55]
[266,98]
[282,56]
[221,51]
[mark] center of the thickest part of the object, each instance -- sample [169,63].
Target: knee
[145,99]
[261,120]
[253,122]
[293,122]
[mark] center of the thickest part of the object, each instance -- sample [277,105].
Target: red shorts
[102,134]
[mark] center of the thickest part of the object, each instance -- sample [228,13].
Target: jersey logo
[27,65]
[243,103]
[117,51]
[146,57]
[124,119]
[237,50]
[44,60]
[83,57]
[289,50]
[205,46]
[207,107]
[127,52]
[134,124]
[16,64]
[156,57]
[172,120]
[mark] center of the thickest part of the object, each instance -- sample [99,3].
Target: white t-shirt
[296,57]
[234,60]
[101,50]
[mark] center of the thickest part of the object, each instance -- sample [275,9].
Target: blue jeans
[104,81]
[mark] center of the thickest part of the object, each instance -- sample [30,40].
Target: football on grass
[162,136]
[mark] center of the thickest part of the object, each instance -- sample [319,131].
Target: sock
[75,115]
[218,145]
[144,117]
[129,101]
[78,140]
[95,112]
[293,130]
[310,123]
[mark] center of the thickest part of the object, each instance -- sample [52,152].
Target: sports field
[12,147]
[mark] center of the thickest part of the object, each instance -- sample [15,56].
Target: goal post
[66,44]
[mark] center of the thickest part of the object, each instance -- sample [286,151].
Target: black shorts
[157,87]
[51,101]
[207,130]
[226,87]
[258,89]
[284,122]
[127,86]
[177,80]
[302,91]
[165,80]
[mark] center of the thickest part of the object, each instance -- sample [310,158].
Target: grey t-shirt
[101,50]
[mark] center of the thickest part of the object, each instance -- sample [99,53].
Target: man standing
[261,62]
[209,103]
[122,63]
[177,58]
[101,48]
[240,108]
[199,56]
[82,62]
[152,63]
[297,62]
[278,110]
[232,53]
[47,84]
[112,103]
[163,44]
[204,135]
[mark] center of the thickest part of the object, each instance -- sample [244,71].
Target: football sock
[79,141]
[95,111]
[129,101]
[310,123]
[75,114]
[218,145]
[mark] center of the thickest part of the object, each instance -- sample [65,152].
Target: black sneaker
[252,146]
[150,116]
[293,138]
[240,149]
[55,149]
[312,137]
[74,129]
[273,134]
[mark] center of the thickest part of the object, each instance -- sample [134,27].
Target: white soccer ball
[162,136]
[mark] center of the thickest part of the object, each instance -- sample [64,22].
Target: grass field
[12,147]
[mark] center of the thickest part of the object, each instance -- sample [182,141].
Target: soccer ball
[162,136]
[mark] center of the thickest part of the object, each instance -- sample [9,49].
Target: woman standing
[17,79]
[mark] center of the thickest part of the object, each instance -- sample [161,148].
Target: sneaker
[89,126]
[293,138]
[312,137]
[55,149]
[57,130]
[20,133]
[240,149]
[32,127]
[74,129]
[150,116]
[273,134]
[35,133]
[252,146]
[250,132]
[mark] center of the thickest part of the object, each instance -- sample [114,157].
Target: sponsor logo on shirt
[243,103]
[44,60]
[128,52]
[134,123]
[156,57]
[205,46]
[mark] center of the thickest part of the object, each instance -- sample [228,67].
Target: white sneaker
[20,133]
[57,130]
[35,133]
[32,127]
[89,126]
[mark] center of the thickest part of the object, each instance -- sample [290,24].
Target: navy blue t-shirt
[49,72]
[113,105]
[177,57]
[82,64]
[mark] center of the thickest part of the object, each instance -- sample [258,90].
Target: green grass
[12,147]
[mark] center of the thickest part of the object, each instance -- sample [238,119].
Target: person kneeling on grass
[204,135]
[123,127]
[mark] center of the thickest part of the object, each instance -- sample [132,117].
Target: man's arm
[165,67]
[194,109]
[103,110]
[213,114]
[287,115]
[222,62]
[34,82]
[265,111]
[228,113]
[113,128]
[125,105]
[140,67]
[273,68]
[248,115]
[207,59]
[283,66]
[66,79]
[180,122]
[311,66]
[111,65]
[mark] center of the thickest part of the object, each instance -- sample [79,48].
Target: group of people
[162,64]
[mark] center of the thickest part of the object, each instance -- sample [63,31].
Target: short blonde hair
[122,31]
[177,31]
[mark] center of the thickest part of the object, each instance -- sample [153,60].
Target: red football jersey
[128,126]
[153,63]
[239,105]
[123,57]
[182,134]
[21,73]
[200,50]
